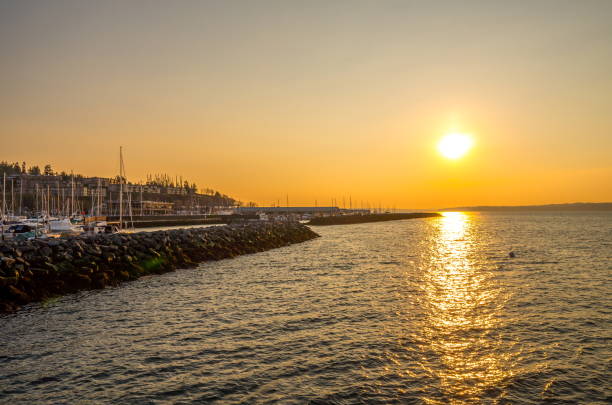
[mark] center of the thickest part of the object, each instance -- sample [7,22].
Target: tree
[34,171]
[48,170]
[9,168]
[23,167]
[118,179]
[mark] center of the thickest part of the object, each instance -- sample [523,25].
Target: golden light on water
[462,317]
[455,145]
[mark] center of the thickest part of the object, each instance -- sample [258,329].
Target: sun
[454,146]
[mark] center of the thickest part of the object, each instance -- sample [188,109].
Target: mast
[12,197]
[3,204]
[130,209]
[99,197]
[3,195]
[120,187]
[71,194]
[20,193]
[93,203]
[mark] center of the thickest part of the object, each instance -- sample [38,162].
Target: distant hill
[607,206]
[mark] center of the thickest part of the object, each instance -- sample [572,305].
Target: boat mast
[120,187]
[12,197]
[3,204]
[59,199]
[98,196]
[20,193]
[130,209]
[92,205]
[3,195]
[71,194]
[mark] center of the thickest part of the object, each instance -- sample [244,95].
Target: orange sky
[318,99]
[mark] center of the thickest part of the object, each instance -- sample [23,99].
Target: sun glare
[454,146]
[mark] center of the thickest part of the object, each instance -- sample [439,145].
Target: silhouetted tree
[9,168]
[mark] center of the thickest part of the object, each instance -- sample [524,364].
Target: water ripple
[414,312]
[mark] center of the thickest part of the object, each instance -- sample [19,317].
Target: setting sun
[454,146]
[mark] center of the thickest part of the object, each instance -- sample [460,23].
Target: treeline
[47,170]
[164,180]
[158,180]
[16,168]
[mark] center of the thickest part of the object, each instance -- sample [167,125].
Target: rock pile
[38,269]
[360,219]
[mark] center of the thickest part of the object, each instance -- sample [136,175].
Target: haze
[317,99]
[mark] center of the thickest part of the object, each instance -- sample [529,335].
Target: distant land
[605,206]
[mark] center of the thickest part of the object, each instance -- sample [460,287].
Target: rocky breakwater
[360,219]
[39,269]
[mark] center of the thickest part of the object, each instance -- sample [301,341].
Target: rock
[51,266]
[43,268]
[18,295]
[80,281]
[38,272]
[7,262]
[6,281]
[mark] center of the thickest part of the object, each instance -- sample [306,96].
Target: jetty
[360,219]
[39,269]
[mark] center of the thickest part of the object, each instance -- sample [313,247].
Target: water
[422,311]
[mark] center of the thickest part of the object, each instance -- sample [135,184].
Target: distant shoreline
[607,206]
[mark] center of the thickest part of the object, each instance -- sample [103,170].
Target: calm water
[421,311]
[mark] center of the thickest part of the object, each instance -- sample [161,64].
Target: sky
[314,100]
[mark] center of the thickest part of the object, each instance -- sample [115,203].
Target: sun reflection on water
[461,323]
